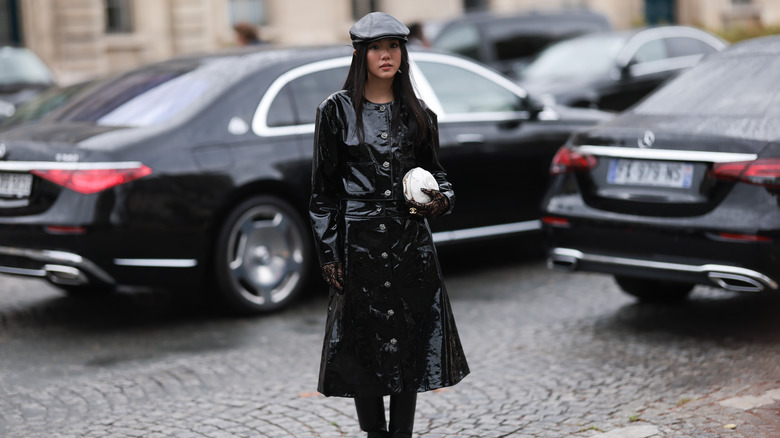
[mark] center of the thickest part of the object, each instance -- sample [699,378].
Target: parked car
[196,171]
[507,42]
[681,190]
[22,76]
[614,70]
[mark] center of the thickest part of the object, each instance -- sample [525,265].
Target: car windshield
[586,56]
[20,66]
[142,98]
[742,86]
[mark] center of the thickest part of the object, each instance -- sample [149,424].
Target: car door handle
[470,138]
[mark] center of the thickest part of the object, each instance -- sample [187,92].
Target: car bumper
[731,278]
[59,267]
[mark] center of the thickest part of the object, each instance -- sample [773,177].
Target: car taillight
[92,180]
[763,172]
[567,160]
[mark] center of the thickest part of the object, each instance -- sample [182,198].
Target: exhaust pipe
[735,282]
[560,262]
[65,275]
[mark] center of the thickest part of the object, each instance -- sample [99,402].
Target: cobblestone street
[552,355]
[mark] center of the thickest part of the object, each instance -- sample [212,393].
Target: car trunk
[659,174]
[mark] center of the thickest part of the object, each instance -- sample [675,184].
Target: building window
[249,11]
[475,5]
[363,7]
[119,16]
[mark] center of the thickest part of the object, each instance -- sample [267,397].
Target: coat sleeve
[427,156]
[324,204]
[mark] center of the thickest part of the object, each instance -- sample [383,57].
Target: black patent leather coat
[392,329]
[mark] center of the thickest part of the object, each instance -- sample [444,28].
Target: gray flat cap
[377,25]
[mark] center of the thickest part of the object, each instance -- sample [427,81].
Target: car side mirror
[541,109]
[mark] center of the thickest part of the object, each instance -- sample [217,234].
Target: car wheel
[654,291]
[263,255]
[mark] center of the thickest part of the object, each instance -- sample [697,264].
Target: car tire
[654,291]
[263,254]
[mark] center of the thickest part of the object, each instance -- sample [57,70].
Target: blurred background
[84,39]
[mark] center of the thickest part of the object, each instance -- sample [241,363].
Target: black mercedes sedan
[683,189]
[195,173]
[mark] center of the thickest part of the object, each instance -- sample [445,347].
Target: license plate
[17,185]
[650,173]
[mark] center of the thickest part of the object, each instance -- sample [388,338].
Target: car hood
[675,132]
[565,90]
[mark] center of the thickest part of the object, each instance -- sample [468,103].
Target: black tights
[371,415]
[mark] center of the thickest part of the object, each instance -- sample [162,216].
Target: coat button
[386,164]
[393,341]
[388,284]
[384,255]
[384,135]
[390,312]
[382,107]
[388,193]
[379,209]
[382,227]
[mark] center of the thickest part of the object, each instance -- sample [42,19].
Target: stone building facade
[82,39]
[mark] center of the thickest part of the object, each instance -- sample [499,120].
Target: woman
[390,330]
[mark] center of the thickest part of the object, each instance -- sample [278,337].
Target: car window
[462,39]
[586,56]
[653,50]
[684,46]
[734,86]
[142,98]
[308,91]
[462,91]
[282,111]
[20,66]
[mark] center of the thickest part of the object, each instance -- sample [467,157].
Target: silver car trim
[664,154]
[54,258]
[26,166]
[489,231]
[157,263]
[708,269]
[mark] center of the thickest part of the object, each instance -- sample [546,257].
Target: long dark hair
[409,109]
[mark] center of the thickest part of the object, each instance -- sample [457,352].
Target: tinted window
[138,99]
[682,46]
[282,112]
[463,39]
[310,90]
[653,50]
[741,86]
[463,91]
[586,56]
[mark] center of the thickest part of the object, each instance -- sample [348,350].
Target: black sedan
[683,189]
[196,171]
[613,70]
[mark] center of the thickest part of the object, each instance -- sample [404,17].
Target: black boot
[371,416]
[402,407]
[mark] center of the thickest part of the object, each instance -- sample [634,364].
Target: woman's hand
[437,206]
[333,273]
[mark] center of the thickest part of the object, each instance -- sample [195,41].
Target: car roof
[532,16]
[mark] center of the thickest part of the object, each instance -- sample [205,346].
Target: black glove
[333,273]
[437,206]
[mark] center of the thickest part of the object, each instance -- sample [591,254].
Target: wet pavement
[552,355]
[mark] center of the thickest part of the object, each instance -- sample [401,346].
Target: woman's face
[383,58]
